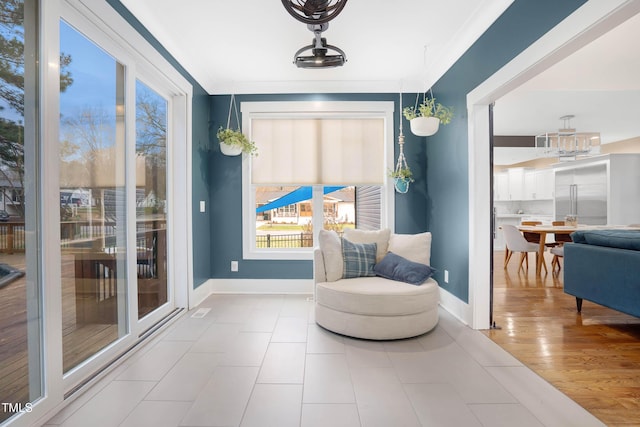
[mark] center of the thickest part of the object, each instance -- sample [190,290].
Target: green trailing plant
[235,138]
[429,108]
[402,173]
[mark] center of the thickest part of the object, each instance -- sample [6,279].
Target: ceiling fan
[317,14]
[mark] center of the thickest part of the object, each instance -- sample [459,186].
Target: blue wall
[226,192]
[437,201]
[447,151]
[200,144]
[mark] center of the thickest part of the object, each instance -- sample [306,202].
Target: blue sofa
[603,266]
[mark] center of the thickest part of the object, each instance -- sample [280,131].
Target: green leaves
[429,108]
[235,138]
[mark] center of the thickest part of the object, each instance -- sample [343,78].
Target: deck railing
[298,240]
[12,237]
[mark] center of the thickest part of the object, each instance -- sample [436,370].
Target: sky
[93,72]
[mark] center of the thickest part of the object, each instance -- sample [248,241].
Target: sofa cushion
[359,259]
[377,296]
[331,247]
[379,237]
[414,247]
[622,239]
[395,267]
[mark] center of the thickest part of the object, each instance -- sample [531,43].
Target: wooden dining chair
[517,243]
[531,237]
[534,237]
[561,238]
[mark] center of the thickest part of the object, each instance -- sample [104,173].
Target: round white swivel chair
[517,243]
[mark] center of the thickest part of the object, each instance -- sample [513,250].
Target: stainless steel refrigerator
[582,192]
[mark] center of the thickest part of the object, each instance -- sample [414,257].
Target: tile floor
[262,361]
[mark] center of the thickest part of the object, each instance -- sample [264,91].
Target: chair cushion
[414,247]
[395,267]
[377,296]
[379,237]
[359,259]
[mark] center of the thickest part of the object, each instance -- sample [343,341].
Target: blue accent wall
[200,145]
[437,201]
[226,192]
[447,172]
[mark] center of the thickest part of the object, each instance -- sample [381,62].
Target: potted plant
[402,177]
[426,118]
[234,142]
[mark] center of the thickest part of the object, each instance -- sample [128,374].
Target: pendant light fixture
[317,14]
[567,144]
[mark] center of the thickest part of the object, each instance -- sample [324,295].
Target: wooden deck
[593,357]
[79,340]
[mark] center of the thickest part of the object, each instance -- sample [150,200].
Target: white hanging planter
[230,150]
[424,126]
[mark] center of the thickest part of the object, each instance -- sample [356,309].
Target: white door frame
[593,19]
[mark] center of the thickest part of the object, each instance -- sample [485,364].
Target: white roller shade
[318,151]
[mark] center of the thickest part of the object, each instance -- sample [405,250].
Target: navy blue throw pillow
[395,267]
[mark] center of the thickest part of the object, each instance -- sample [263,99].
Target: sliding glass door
[21,350]
[151,199]
[92,198]
[94,169]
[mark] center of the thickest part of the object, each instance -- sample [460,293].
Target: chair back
[531,237]
[561,238]
[515,240]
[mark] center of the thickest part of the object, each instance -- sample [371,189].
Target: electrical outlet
[446,276]
[234,265]
[202,206]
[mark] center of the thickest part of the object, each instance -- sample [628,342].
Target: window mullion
[318,211]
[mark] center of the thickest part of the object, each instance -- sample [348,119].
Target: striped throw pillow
[359,259]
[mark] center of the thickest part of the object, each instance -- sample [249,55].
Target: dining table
[543,230]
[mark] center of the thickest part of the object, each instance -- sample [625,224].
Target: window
[314,157]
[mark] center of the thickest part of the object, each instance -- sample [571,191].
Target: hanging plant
[402,177]
[232,141]
[425,118]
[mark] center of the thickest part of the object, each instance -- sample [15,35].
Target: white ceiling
[247,46]
[599,84]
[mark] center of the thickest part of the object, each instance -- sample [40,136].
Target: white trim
[261,286]
[251,286]
[306,109]
[455,306]
[199,294]
[593,19]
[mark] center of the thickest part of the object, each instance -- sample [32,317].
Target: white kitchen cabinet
[501,186]
[530,179]
[544,184]
[516,183]
[523,184]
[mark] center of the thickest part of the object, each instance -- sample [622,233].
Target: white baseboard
[454,305]
[199,294]
[250,286]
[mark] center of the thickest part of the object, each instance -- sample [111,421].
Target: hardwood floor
[593,357]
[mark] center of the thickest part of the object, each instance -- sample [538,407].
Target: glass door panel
[20,293]
[92,199]
[151,199]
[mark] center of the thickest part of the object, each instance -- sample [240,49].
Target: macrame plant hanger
[401,185]
[233,106]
